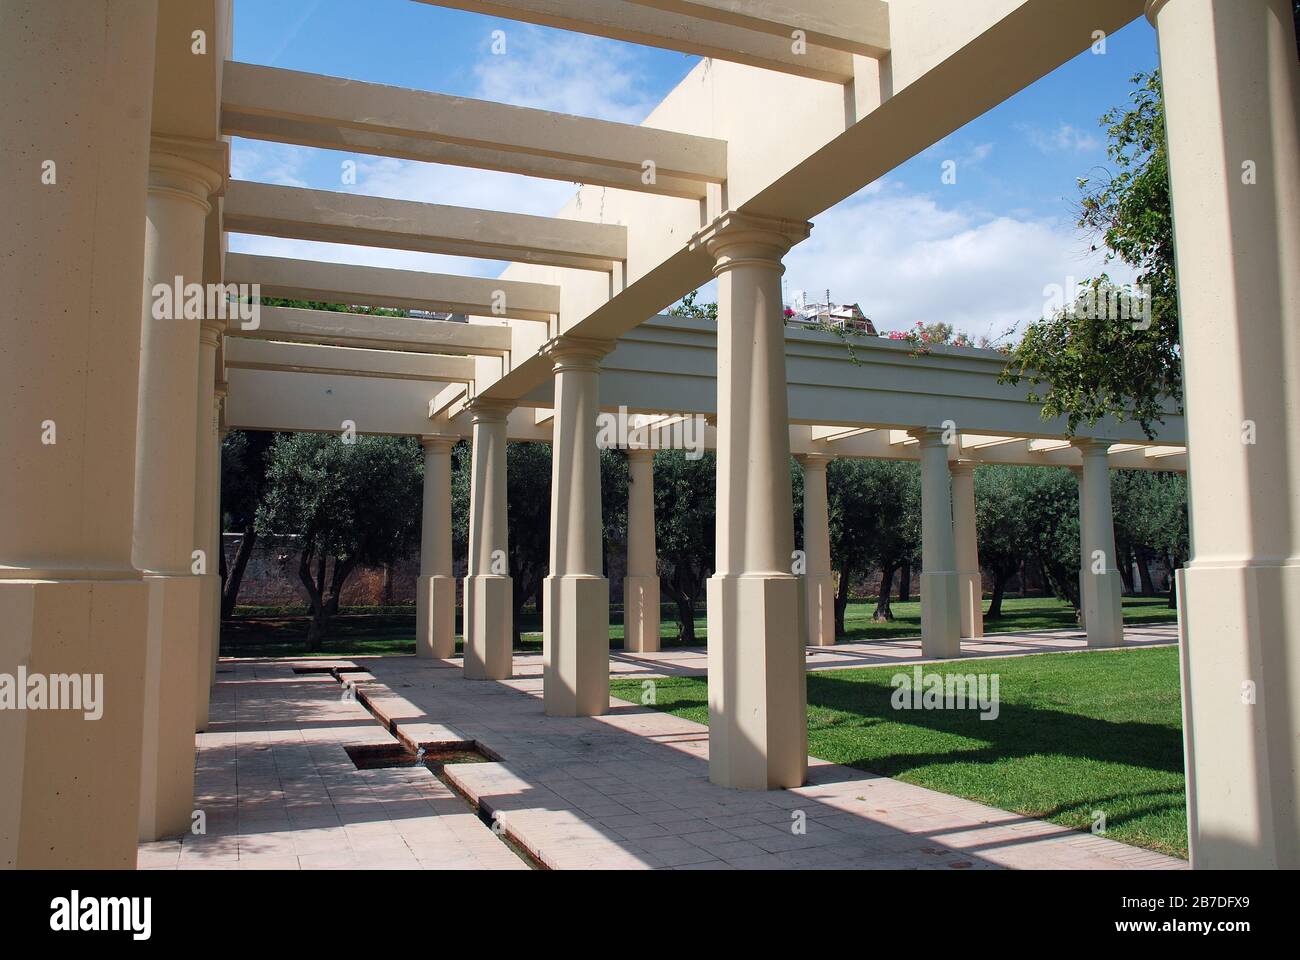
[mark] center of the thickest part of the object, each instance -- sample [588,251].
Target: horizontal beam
[853,26]
[242,354]
[399,289]
[368,331]
[300,214]
[288,106]
[634,23]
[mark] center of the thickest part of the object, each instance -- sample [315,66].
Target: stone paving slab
[279,790]
[631,790]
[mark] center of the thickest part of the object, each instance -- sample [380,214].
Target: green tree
[685,494]
[243,479]
[1085,363]
[1000,523]
[874,508]
[351,503]
[528,511]
[689,306]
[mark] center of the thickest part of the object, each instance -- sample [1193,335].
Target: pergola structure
[112,409]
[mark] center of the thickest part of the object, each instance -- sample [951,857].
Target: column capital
[928,436]
[962,467]
[814,461]
[488,410]
[736,239]
[437,443]
[1091,448]
[575,353]
[189,169]
[641,454]
[1153,9]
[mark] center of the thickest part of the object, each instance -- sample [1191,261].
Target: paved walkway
[627,790]
[279,791]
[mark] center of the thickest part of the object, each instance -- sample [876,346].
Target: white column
[819,580]
[1101,587]
[206,474]
[970,583]
[1232,94]
[940,603]
[575,648]
[218,405]
[435,592]
[488,600]
[182,176]
[78,84]
[641,581]
[758,730]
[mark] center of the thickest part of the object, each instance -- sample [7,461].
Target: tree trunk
[318,625]
[1144,572]
[1126,571]
[685,610]
[842,598]
[999,589]
[904,583]
[883,611]
[338,578]
[230,590]
[685,620]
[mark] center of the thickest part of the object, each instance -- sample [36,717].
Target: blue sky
[976,253]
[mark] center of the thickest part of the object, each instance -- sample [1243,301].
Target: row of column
[762,608]
[108,491]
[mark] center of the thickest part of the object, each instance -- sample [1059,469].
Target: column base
[1239,640]
[489,627]
[167,761]
[435,617]
[575,672]
[1103,608]
[970,601]
[70,793]
[758,716]
[641,620]
[940,615]
[209,613]
[820,592]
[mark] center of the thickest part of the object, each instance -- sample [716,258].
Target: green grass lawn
[282,631]
[1076,733]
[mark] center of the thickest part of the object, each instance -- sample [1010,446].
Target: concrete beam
[399,289]
[368,331]
[634,23]
[300,214]
[244,354]
[288,106]
[853,26]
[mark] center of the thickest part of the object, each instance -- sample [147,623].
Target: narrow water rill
[433,756]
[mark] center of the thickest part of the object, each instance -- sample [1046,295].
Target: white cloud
[566,73]
[1065,138]
[904,257]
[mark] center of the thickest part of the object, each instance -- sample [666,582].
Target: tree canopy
[1085,363]
[350,502]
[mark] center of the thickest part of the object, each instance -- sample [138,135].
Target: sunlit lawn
[278,632]
[1077,734]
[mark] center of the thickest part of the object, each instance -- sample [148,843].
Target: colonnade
[108,488]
